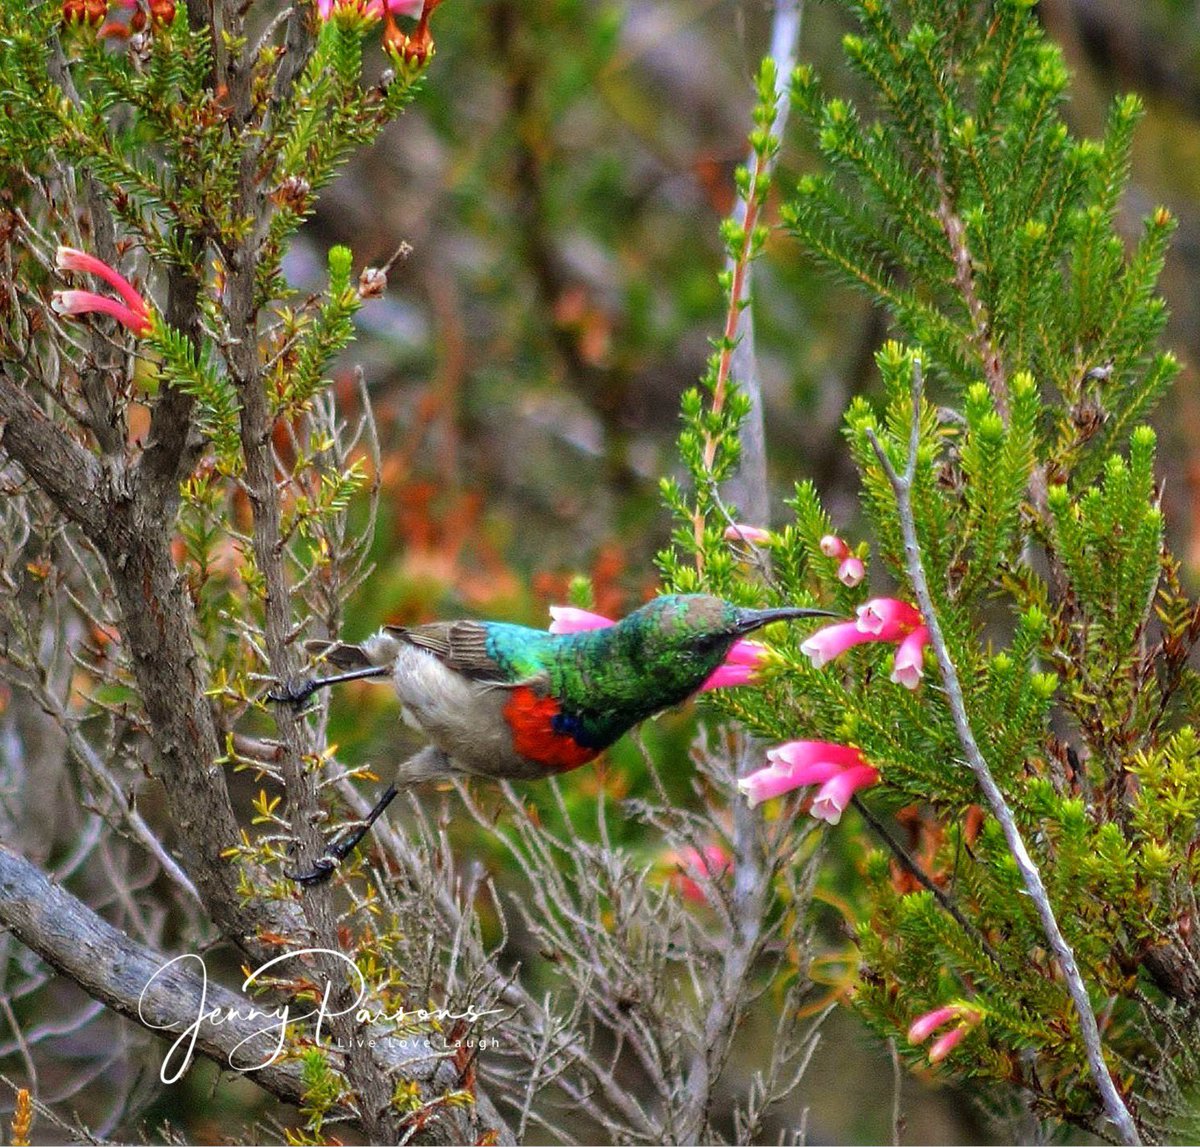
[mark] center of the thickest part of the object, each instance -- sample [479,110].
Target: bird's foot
[297,695]
[321,871]
[338,850]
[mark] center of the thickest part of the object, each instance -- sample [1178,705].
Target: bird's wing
[463,647]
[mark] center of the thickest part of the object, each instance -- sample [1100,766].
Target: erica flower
[739,667]
[835,794]
[569,619]
[840,770]
[133,312]
[832,641]
[908,667]
[851,571]
[753,534]
[964,1017]
[880,619]
[887,619]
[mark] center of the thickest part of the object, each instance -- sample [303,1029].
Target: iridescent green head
[679,640]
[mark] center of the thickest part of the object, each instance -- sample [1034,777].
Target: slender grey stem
[902,486]
[747,489]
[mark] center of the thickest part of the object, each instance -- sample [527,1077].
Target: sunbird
[506,701]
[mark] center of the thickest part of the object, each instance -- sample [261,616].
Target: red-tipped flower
[133,313]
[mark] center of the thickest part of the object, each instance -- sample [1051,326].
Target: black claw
[295,695]
[336,852]
[324,868]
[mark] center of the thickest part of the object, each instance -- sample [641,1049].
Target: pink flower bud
[925,1025]
[909,665]
[851,571]
[945,1044]
[753,534]
[837,792]
[833,547]
[887,619]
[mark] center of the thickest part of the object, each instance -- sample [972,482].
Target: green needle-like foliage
[960,204]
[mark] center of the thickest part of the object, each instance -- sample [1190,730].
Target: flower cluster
[133,312]
[963,1016]
[739,668]
[840,770]
[850,568]
[124,17]
[880,619]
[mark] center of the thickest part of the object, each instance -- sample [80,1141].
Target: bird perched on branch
[505,701]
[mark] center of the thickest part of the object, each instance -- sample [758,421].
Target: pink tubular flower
[754,534]
[87,302]
[739,668]
[851,571]
[799,763]
[964,1017]
[826,644]
[945,1044]
[909,665]
[880,619]
[925,1025]
[835,794]
[133,313]
[569,619]
[833,547]
[887,618]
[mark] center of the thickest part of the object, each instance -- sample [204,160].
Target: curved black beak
[749,620]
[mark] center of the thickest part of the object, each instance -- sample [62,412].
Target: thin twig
[902,486]
[901,854]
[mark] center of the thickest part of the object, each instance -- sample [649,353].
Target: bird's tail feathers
[348,656]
